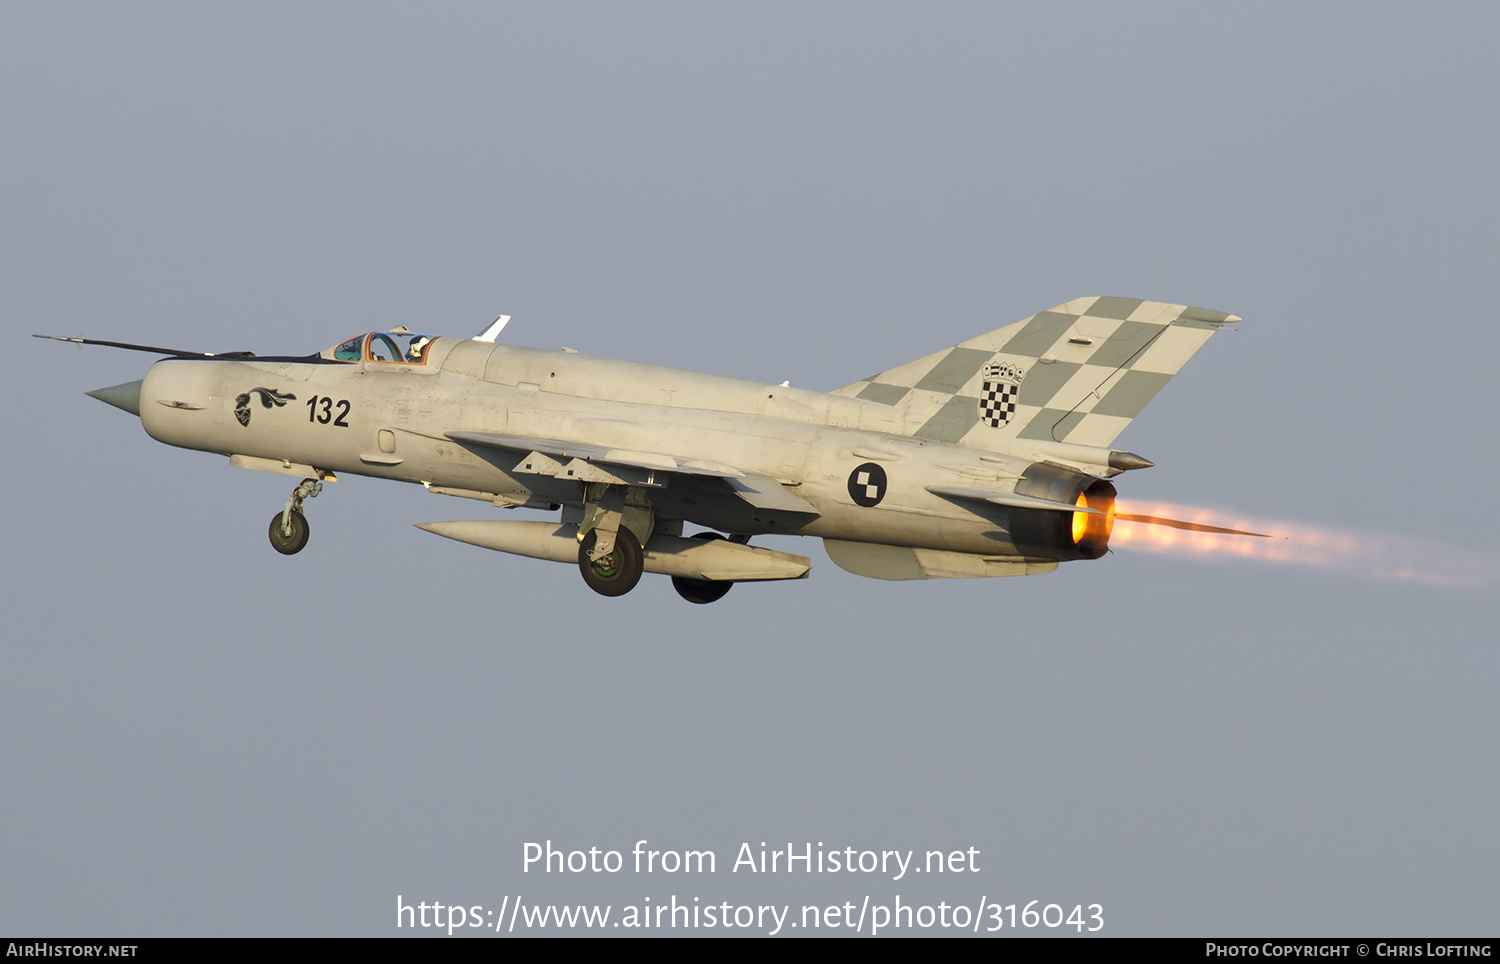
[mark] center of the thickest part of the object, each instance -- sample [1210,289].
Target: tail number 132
[321,409]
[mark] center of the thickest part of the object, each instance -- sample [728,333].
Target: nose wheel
[288,532]
[289,529]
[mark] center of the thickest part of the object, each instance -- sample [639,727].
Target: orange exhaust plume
[1202,533]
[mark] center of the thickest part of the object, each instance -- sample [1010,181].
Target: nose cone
[126,397]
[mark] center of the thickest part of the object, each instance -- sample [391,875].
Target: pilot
[418,344]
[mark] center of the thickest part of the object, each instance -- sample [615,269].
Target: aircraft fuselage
[392,422]
[989,458]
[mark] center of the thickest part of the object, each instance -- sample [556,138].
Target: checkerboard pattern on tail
[1076,373]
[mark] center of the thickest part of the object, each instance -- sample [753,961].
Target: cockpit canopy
[396,347]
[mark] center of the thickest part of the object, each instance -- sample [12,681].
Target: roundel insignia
[867,484]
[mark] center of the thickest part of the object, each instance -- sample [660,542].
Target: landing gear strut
[616,520]
[289,530]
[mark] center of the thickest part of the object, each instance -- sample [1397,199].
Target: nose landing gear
[289,530]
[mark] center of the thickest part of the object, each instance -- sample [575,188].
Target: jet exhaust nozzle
[126,397]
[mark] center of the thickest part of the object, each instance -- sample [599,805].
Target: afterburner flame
[1368,555]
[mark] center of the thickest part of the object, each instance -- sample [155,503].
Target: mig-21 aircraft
[990,458]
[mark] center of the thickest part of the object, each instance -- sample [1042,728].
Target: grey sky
[202,737]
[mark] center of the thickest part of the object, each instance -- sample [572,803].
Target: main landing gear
[617,519]
[702,591]
[616,572]
[289,529]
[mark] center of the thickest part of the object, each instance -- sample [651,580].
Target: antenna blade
[490,333]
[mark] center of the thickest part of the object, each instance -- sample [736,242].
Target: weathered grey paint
[1040,426]
[1129,340]
[1131,394]
[953,421]
[1121,308]
[1042,382]
[954,371]
[1040,334]
[520,426]
[884,394]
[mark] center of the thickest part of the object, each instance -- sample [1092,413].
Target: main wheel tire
[289,544]
[702,591]
[617,573]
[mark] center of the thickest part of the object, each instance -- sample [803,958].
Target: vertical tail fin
[1077,373]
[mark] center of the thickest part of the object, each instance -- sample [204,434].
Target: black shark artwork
[268,397]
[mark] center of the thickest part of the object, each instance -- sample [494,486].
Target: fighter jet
[990,458]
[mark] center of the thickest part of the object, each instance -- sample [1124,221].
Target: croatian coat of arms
[997,399]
